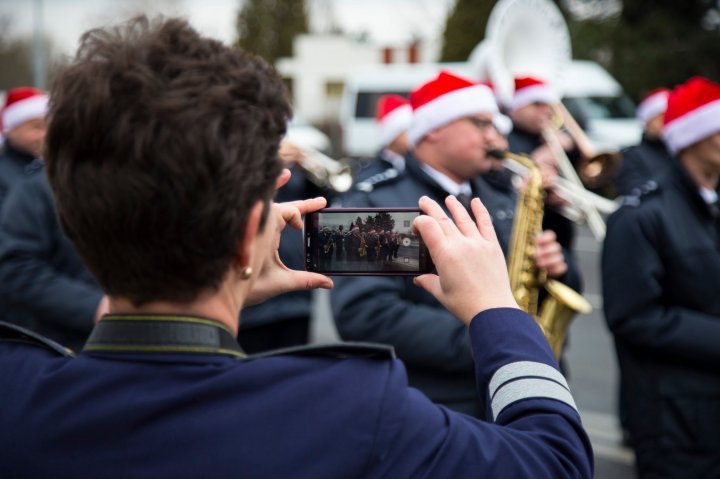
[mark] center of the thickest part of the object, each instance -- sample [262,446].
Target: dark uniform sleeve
[28,230]
[536,431]
[633,276]
[632,172]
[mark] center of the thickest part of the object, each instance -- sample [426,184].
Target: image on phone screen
[370,241]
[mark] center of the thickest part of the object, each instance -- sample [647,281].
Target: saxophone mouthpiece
[496,153]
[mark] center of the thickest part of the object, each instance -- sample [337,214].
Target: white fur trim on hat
[21,111]
[502,123]
[394,123]
[532,94]
[456,104]
[692,127]
[652,106]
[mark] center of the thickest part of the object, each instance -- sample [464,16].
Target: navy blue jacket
[15,165]
[42,281]
[661,291]
[392,310]
[645,161]
[166,415]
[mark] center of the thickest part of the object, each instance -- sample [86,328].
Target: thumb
[430,283]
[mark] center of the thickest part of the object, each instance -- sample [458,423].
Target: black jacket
[15,165]
[42,280]
[661,289]
[645,161]
[432,343]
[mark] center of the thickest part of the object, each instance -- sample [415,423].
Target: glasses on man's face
[480,123]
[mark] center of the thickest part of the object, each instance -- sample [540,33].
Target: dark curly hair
[159,143]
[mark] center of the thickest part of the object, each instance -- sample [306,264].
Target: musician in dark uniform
[162,388]
[393,117]
[531,111]
[660,270]
[451,129]
[650,158]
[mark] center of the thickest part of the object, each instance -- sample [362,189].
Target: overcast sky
[385,21]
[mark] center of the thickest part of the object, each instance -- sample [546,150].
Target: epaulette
[13,333]
[638,193]
[347,350]
[377,179]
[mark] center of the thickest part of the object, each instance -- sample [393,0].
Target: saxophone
[562,302]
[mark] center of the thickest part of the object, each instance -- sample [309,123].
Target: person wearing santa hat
[531,111]
[650,158]
[661,294]
[451,130]
[393,117]
[23,129]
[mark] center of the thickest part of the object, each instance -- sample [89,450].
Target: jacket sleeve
[28,231]
[633,276]
[536,431]
[632,172]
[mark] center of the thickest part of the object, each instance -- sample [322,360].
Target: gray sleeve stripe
[522,369]
[529,389]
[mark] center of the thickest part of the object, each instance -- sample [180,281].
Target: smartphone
[365,242]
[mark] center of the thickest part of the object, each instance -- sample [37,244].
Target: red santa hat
[444,99]
[532,90]
[653,104]
[693,113]
[23,104]
[394,115]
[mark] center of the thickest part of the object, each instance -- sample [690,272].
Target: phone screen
[368,241]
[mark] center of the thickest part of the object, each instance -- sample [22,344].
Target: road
[590,359]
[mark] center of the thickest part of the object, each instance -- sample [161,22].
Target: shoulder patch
[377,179]
[12,333]
[347,350]
[636,196]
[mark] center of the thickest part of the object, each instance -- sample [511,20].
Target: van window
[600,107]
[366,102]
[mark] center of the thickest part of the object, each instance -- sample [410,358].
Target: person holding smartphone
[451,131]
[164,181]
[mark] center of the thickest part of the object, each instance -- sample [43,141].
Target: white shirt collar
[397,161]
[446,182]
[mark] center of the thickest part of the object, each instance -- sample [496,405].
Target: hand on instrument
[549,255]
[276,278]
[472,274]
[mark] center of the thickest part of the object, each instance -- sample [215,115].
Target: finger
[432,209]
[483,220]
[431,233]
[545,237]
[462,219]
[430,283]
[283,178]
[292,211]
[310,281]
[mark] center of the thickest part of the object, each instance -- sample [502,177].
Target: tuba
[562,303]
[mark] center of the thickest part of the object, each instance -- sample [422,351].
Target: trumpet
[319,168]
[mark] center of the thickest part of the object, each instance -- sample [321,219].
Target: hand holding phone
[472,273]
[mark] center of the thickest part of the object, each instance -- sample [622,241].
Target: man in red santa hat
[650,158]
[660,270]
[23,129]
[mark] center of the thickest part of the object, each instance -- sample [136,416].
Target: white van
[592,95]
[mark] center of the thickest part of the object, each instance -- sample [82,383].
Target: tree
[464,28]
[267,27]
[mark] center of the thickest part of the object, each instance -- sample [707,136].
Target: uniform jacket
[661,289]
[14,166]
[379,164]
[648,160]
[392,310]
[285,415]
[42,280]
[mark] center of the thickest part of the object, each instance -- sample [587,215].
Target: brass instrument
[319,168]
[596,169]
[562,302]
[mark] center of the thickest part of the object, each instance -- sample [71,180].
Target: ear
[252,229]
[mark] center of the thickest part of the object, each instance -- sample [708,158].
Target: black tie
[464,200]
